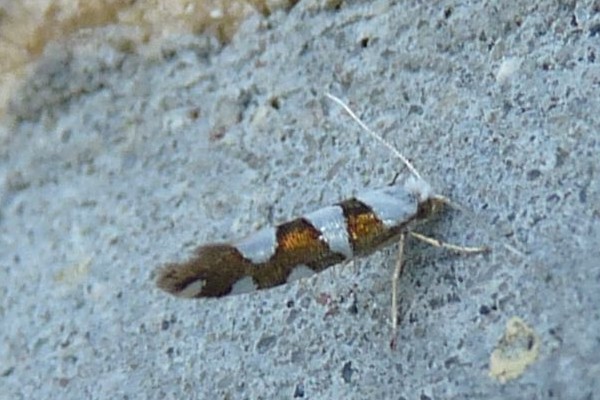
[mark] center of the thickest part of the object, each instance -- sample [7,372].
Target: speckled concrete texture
[116,160]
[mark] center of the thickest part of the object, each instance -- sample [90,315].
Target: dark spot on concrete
[415,109]
[353,307]
[561,157]
[583,195]
[299,391]
[265,344]
[347,372]
[448,12]
[451,361]
[194,113]
[533,174]
[594,30]
[574,21]
[274,103]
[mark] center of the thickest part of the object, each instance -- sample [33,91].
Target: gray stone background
[116,159]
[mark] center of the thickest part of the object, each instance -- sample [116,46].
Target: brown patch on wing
[216,268]
[219,266]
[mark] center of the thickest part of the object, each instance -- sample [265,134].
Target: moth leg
[395,279]
[459,249]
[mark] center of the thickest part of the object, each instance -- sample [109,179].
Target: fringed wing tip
[169,279]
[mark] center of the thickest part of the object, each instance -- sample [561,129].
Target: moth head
[431,206]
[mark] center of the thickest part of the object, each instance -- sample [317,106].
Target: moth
[296,249]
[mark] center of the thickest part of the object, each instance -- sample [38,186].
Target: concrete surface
[116,160]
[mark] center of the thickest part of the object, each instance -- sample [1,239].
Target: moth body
[303,246]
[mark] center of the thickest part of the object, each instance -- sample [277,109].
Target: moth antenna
[376,136]
[413,170]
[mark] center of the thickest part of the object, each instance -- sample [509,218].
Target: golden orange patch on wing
[364,226]
[298,242]
[365,230]
[298,235]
